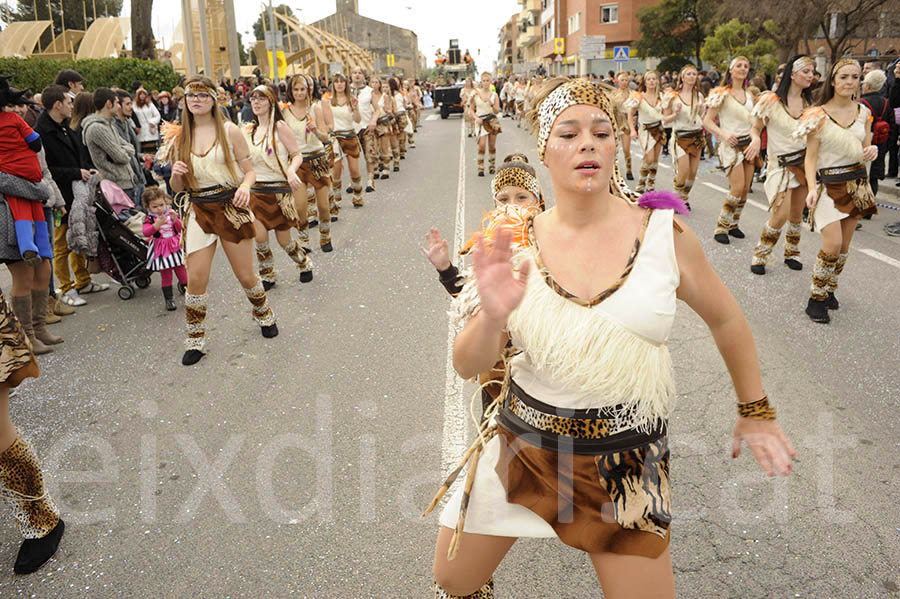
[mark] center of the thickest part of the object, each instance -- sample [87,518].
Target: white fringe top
[613,353]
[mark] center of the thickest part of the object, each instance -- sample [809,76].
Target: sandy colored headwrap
[842,63]
[571,93]
[264,90]
[801,63]
[198,87]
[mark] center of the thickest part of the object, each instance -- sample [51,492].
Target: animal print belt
[216,193]
[565,430]
[838,174]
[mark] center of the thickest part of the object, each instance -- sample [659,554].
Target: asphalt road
[299,466]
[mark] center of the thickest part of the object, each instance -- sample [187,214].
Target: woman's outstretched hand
[437,253]
[499,289]
[769,445]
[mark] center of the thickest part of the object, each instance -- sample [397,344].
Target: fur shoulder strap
[716,97]
[765,103]
[634,100]
[810,121]
[171,132]
[666,100]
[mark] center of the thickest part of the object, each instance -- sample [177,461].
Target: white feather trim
[586,351]
[467,304]
[666,100]
[811,120]
[633,101]
[716,97]
[765,105]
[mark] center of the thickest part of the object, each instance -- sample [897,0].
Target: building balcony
[531,7]
[528,37]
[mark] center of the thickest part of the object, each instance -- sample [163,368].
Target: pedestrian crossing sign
[559,45]
[621,53]
[391,62]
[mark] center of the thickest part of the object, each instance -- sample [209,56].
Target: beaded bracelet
[757,410]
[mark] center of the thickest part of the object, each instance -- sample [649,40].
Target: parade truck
[451,70]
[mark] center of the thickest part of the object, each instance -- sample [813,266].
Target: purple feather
[663,200]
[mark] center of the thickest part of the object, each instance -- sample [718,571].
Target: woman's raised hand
[437,253]
[769,445]
[499,289]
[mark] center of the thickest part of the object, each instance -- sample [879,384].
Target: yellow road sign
[391,60]
[559,45]
[281,62]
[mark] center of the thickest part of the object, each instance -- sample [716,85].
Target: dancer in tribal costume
[485,105]
[315,170]
[731,105]
[778,113]
[277,191]
[345,110]
[838,136]
[209,155]
[365,131]
[21,481]
[412,111]
[384,123]
[682,109]
[321,109]
[645,122]
[575,446]
[465,98]
[403,126]
[623,131]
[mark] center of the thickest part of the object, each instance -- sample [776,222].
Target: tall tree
[788,23]
[844,22]
[142,45]
[282,9]
[79,15]
[735,38]
[675,28]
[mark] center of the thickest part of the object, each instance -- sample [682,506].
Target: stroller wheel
[142,282]
[126,293]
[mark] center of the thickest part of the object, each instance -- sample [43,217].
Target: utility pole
[232,41]
[274,44]
[187,36]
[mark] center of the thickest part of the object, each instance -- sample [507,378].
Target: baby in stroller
[162,228]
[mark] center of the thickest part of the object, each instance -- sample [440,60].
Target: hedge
[38,73]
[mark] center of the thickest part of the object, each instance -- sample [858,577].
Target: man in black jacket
[66,166]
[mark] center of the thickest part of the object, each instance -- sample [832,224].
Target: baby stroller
[122,253]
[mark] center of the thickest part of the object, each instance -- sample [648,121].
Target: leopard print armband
[757,410]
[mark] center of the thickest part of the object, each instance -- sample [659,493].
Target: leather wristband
[757,410]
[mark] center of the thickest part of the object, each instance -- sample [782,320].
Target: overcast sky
[475,23]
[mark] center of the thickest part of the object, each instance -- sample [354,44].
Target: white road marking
[454,442]
[753,203]
[879,256]
[432,117]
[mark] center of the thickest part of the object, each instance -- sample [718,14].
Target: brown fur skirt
[275,211]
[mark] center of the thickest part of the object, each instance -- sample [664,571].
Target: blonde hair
[333,91]
[679,84]
[184,141]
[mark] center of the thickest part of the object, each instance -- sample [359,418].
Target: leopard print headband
[571,93]
[513,176]
[198,87]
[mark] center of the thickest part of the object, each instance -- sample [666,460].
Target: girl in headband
[212,168]
[311,132]
[345,111]
[623,130]
[682,109]
[384,119]
[465,97]
[575,445]
[274,197]
[485,105]
[728,118]
[645,105]
[838,137]
[778,113]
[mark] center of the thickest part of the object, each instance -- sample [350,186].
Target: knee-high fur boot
[823,271]
[792,246]
[763,250]
[642,179]
[37,517]
[832,284]
[266,264]
[651,178]
[335,200]
[301,259]
[356,184]
[734,230]
[492,162]
[480,163]
[723,225]
[195,316]
[262,313]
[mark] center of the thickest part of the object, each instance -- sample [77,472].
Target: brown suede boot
[21,305]
[61,308]
[52,317]
[39,300]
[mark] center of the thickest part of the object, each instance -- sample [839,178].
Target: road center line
[453,443]
[753,203]
[879,256]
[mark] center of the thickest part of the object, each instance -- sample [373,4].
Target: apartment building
[573,19]
[510,55]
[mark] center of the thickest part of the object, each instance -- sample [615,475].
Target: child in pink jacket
[162,228]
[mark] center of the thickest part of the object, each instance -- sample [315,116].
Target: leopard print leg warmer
[295,252]
[832,284]
[822,274]
[262,313]
[195,315]
[651,178]
[492,162]
[767,241]
[642,180]
[357,191]
[735,219]
[485,592]
[792,241]
[335,199]
[480,163]
[22,489]
[266,262]
[725,222]
[324,234]
[628,163]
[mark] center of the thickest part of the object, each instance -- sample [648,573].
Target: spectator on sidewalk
[122,124]
[66,167]
[71,80]
[111,154]
[878,107]
[149,117]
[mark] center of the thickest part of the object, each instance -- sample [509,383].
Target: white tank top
[483,108]
[839,146]
[648,113]
[620,345]
[343,118]
[399,103]
[779,124]
[265,162]
[366,110]
[687,120]
[734,117]
[211,169]
[308,142]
